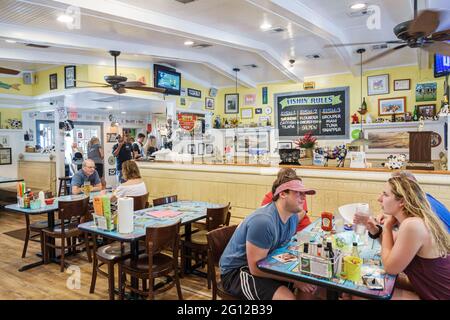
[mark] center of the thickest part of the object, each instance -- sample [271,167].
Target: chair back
[159,238]
[217,217]
[217,241]
[140,202]
[165,200]
[67,210]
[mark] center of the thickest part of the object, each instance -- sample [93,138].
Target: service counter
[245,185]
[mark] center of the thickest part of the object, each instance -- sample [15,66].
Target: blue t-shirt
[440,210]
[79,177]
[264,229]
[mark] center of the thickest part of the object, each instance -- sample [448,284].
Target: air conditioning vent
[202,45]
[379,46]
[314,56]
[250,66]
[184,1]
[277,30]
[360,13]
[37,45]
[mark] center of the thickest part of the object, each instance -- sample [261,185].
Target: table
[9,180]
[369,253]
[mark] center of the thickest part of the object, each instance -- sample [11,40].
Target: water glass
[363,214]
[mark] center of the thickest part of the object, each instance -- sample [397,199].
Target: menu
[324,113]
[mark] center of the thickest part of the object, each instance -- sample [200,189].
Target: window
[45,133]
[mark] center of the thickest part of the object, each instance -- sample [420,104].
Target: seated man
[268,228]
[86,173]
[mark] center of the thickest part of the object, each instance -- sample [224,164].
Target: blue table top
[368,252]
[191,211]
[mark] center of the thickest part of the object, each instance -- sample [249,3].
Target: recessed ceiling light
[65,18]
[11,41]
[123,112]
[108,107]
[265,26]
[358,6]
[188,43]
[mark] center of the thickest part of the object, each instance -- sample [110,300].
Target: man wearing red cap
[268,228]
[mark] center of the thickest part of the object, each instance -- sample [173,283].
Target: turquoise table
[369,253]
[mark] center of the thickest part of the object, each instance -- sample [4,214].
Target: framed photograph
[4,141]
[5,156]
[232,103]
[191,148]
[308,85]
[284,145]
[201,149]
[378,84]
[387,140]
[436,139]
[182,101]
[246,113]
[427,110]
[250,99]
[111,137]
[209,148]
[426,91]
[389,106]
[258,111]
[53,80]
[69,77]
[209,103]
[402,84]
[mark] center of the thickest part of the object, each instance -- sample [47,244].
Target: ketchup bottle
[327,221]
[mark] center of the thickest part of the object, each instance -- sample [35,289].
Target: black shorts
[99,168]
[240,283]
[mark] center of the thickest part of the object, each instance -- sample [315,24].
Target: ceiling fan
[417,33]
[120,83]
[9,71]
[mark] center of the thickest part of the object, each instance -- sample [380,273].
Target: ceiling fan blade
[105,86]
[441,36]
[148,89]
[130,84]
[384,53]
[438,47]
[362,43]
[426,22]
[91,82]
[9,71]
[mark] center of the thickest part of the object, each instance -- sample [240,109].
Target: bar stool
[64,186]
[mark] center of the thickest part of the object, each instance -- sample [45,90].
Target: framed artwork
[390,106]
[284,145]
[5,156]
[209,148]
[308,85]
[427,110]
[111,172]
[69,77]
[191,148]
[111,137]
[4,141]
[402,84]
[182,101]
[209,103]
[232,103]
[53,80]
[258,111]
[378,84]
[249,99]
[387,140]
[201,149]
[436,139]
[426,91]
[246,113]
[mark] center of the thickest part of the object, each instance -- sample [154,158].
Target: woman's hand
[390,222]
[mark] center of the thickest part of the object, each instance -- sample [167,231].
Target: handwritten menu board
[325,113]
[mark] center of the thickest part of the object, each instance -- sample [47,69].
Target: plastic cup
[352,268]
[363,213]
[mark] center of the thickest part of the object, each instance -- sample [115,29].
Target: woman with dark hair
[134,185]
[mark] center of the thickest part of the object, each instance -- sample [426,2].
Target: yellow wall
[7,113]
[23,89]
[339,80]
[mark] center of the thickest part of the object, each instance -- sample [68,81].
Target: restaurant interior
[202,103]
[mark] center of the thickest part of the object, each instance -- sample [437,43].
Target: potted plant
[308,141]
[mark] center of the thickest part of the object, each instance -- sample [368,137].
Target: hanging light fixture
[236,70]
[361,141]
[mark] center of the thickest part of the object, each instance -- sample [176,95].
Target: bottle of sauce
[327,221]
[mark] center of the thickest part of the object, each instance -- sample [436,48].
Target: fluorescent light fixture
[265,26]
[108,107]
[65,18]
[188,43]
[123,112]
[358,6]
[10,41]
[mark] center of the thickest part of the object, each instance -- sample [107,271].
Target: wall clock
[268,110]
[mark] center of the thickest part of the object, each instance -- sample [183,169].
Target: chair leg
[45,254]
[151,285]
[94,275]
[88,246]
[63,249]
[27,235]
[182,263]
[208,275]
[111,280]
[122,280]
[177,283]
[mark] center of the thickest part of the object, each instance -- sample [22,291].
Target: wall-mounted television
[167,78]
[441,65]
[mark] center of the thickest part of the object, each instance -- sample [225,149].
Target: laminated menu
[107,212]
[98,205]
[164,214]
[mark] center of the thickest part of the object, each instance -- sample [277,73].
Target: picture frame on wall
[426,92]
[209,148]
[284,145]
[5,156]
[209,103]
[389,106]
[402,84]
[427,110]
[201,149]
[246,113]
[232,103]
[111,137]
[53,81]
[378,84]
[191,148]
[70,77]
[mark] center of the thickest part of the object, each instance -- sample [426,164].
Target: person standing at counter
[86,174]
[150,145]
[122,150]
[95,153]
[303,219]
[268,228]
[138,146]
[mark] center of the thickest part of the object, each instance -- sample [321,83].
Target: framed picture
[249,99]
[4,141]
[426,91]
[427,110]
[402,84]
[209,103]
[378,84]
[111,137]
[284,145]
[69,77]
[191,148]
[201,149]
[53,80]
[209,148]
[387,140]
[232,103]
[5,156]
[258,110]
[436,139]
[390,106]
[308,85]
[182,101]
[246,113]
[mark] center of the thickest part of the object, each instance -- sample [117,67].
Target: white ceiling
[154,31]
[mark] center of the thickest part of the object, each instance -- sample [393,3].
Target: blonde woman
[150,145]
[95,153]
[134,185]
[421,245]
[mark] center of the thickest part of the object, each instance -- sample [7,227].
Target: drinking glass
[363,215]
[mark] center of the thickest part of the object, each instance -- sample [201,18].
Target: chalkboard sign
[325,113]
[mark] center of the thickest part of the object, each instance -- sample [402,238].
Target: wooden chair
[154,263]
[217,241]
[215,218]
[140,202]
[33,230]
[64,186]
[165,200]
[70,213]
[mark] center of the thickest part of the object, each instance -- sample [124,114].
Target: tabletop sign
[323,112]
[194,93]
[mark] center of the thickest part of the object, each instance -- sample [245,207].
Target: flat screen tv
[167,78]
[441,65]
